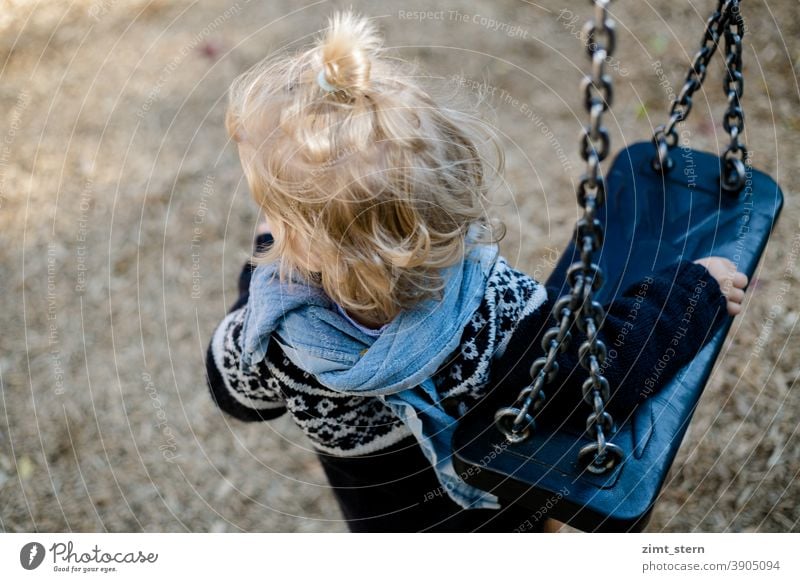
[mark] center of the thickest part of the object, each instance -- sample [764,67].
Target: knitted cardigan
[499,343]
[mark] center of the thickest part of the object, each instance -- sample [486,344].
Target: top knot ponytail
[346,51]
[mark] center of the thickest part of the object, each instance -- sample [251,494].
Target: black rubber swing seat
[650,220]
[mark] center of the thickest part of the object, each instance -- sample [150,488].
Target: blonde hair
[369,185]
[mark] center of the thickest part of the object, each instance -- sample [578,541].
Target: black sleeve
[253,394]
[654,329]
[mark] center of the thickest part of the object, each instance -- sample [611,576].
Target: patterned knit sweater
[499,343]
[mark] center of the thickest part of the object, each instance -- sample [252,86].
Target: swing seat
[651,221]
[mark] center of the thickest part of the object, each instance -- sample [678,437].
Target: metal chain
[584,277]
[726,21]
[665,136]
[736,156]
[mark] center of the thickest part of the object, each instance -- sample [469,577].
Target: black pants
[396,490]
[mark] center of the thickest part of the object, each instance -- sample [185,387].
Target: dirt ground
[124,222]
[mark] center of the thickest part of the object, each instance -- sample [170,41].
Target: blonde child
[377,310]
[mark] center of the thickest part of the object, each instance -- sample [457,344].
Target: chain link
[584,277]
[736,158]
[726,23]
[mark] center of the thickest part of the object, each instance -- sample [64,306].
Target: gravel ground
[124,222]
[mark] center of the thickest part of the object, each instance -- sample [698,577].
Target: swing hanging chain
[543,370]
[725,22]
[736,157]
[682,104]
[584,276]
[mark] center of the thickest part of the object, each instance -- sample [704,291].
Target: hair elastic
[323,82]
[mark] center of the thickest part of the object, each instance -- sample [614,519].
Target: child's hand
[731,281]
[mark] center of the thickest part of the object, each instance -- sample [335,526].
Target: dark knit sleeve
[651,331]
[252,394]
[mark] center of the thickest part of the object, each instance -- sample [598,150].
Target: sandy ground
[124,222]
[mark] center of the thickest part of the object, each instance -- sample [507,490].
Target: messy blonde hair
[369,185]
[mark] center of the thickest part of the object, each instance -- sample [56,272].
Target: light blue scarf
[396,366]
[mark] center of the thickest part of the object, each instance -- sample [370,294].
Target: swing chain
[516,421]
[584,276]
[736,155]
[598,94]
[725,22]
[666,137]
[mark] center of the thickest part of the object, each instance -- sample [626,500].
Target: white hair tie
[323,82]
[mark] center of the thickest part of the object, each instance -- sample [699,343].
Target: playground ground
[124,221]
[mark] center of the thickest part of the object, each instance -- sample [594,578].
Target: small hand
[731,281]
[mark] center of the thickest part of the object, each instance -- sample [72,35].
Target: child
[380,312]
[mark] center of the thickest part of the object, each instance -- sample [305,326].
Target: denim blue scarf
[396,366]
